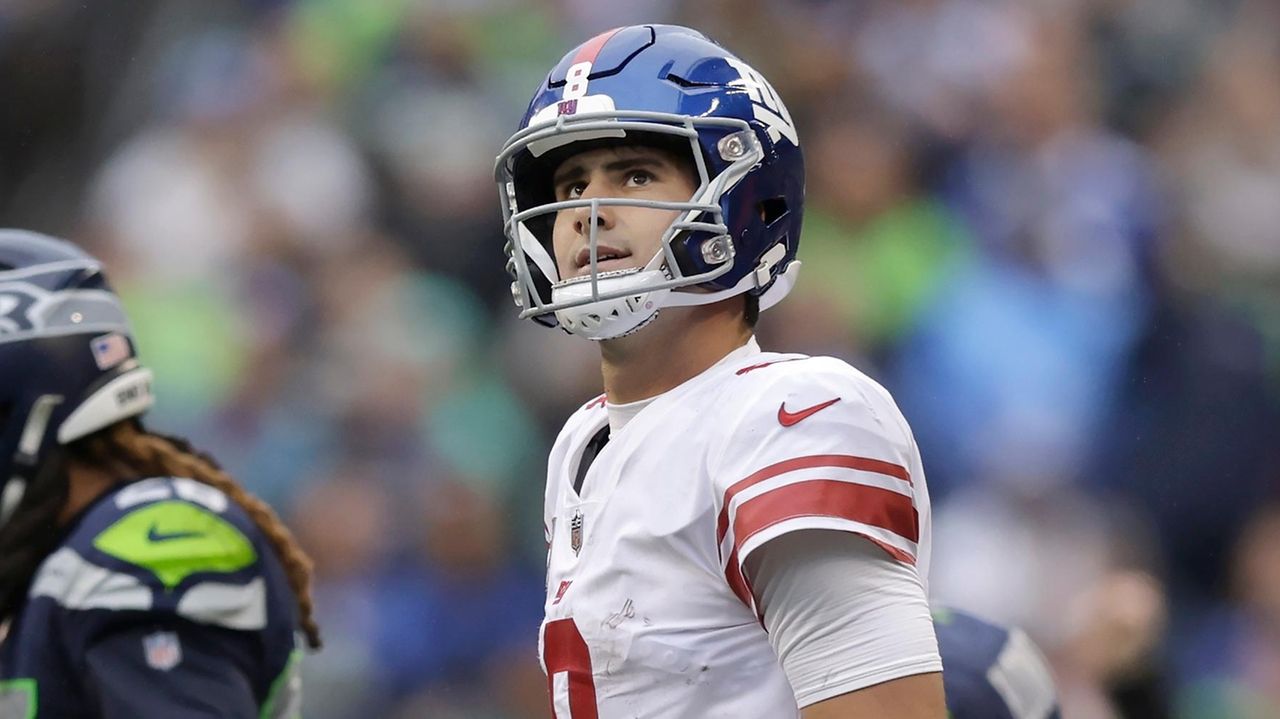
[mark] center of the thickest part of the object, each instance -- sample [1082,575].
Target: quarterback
[137,579]
[731,533]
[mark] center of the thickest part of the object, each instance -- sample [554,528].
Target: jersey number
[564,651]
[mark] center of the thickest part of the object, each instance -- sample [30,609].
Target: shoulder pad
[796,383]
[74,582]
[174,539]
[165,545]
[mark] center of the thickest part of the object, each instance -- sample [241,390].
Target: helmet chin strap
[781,286]
[618,317]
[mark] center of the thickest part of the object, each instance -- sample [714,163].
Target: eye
[639,178]
[571,190]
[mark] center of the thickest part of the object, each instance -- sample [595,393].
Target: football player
[137,579]
[731,532]
[991,672]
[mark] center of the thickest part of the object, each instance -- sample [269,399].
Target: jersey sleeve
[814,444]
[164,667]
[840,614]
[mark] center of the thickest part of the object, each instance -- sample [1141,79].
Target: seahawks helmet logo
[15,308]
[28,310]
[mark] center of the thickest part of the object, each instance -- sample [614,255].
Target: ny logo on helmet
[768,107]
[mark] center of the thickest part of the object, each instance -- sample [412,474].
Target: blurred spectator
[876,249]
[1231,664]
[1019,357]
[342,520]
[1079,574]
[458,605]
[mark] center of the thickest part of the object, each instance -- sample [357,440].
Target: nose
[582,215]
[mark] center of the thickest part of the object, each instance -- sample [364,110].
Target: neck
[85,483]
[677,346]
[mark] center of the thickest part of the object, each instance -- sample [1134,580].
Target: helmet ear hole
[773,209]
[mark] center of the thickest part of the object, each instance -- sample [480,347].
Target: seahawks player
[991,672]
[137,579]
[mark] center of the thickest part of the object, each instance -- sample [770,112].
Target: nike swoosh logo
[786,419]
[155,535]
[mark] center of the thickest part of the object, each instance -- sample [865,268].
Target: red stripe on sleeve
[791,465]
[737,581]
[821,498]
[590,49]
[829,498]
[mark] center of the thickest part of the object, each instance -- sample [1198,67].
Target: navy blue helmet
[991,672]
[672,87]
[67,356]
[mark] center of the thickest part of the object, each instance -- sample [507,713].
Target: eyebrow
[577,171]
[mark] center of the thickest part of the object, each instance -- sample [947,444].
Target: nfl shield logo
[162,650]
[575,532]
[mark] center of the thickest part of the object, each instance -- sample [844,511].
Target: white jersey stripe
[797,463]
[855,502]
[837,474]
[882,537]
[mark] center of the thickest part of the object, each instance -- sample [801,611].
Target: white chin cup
[607,319]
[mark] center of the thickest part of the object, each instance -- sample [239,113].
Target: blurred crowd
[1050,227]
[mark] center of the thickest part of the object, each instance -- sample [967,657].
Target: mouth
[607,259]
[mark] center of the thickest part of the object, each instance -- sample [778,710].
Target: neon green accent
[942,616]
[25,688]
[174,540]
[270,710]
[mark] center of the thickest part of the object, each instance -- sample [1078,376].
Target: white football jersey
[648,613]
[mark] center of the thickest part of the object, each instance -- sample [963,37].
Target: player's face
[626,237]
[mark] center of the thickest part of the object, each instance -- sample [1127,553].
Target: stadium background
[1051,228]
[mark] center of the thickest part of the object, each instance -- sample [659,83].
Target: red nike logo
[564,587]
[786,419]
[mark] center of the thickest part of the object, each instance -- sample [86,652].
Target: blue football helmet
[991,672]
[671,87]
[67,356]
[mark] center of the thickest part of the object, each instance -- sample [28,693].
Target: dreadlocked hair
[158,455]
[32,533]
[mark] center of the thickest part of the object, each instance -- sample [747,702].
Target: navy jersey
[991,672]
[163,599]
